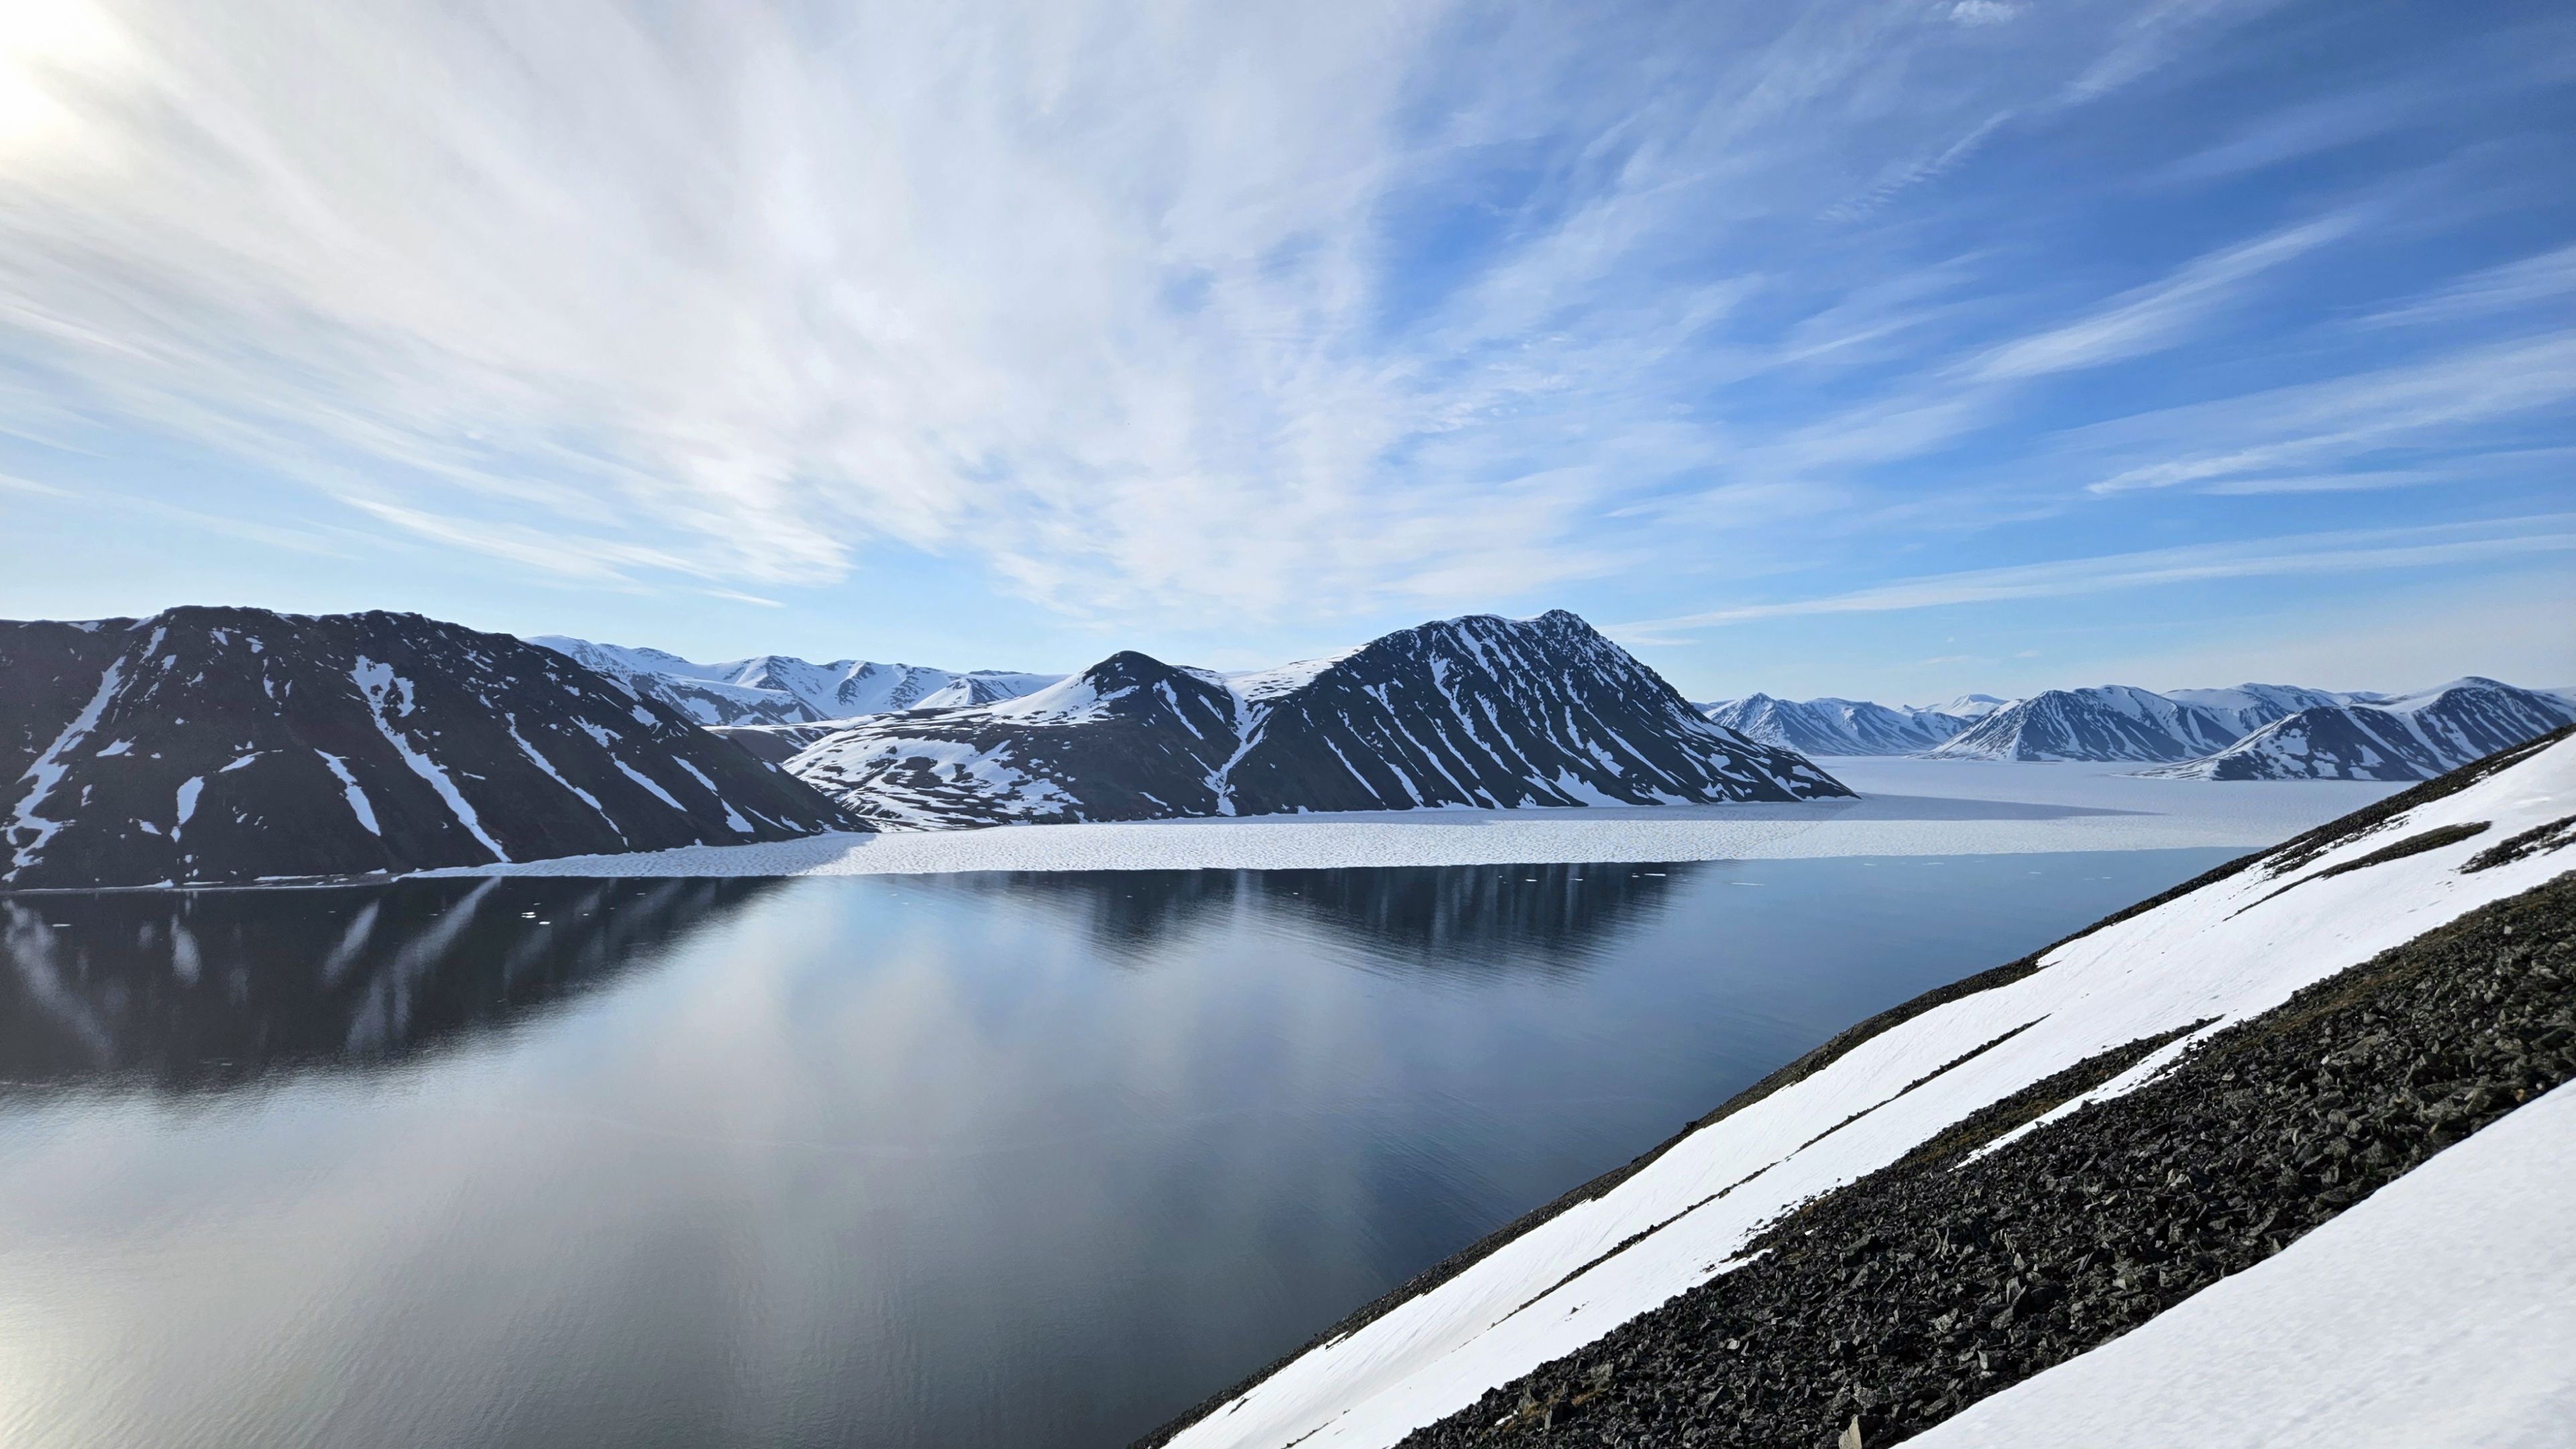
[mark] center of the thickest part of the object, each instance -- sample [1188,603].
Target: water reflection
[188,990]
[1547,917]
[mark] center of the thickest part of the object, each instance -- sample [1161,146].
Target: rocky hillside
[2006,1177]
[209,745]
[1479,712]
[2410,737]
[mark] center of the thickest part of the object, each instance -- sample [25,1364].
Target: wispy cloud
[2352,551]
[2294,431]
[2155,316]
[2532,281]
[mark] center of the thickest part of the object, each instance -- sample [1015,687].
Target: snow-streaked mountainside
[2118,722]
[2406,737]
[2111,1031]
[224,745]
[1478,712]
[2244,732]
[778,690]
[1837,726]
[2246,708]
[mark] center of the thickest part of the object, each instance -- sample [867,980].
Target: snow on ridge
[2223,953]
[782,689]
[1259,685]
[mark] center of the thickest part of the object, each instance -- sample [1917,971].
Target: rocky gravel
[1881,1309]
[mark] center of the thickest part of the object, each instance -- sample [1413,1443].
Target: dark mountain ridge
[223,745]
[1478,712]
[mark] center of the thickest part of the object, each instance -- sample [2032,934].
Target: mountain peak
[1473,712]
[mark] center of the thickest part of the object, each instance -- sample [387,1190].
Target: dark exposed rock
[2557,834]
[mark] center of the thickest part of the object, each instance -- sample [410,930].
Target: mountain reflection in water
[190,990]
[1544,917]
[196,989]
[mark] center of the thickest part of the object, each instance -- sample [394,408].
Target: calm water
[968,1160]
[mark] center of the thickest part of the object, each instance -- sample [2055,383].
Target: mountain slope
[209,745]
[1130,738]
[1838,726]
[1475,712]
[2013,1170]
[2248,707]
[2120,722]
[2110,722]
[779,690]
[2409,737]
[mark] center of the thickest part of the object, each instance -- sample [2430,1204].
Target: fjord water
[966,1160]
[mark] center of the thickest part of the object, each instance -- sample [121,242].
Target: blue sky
[1885,349]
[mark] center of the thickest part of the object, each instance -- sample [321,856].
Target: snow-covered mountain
[2214,1114]
[226,745]
[2404,737]
[1968,706]
[2246,708]
[1837,726]
[2111,722]
[1472,712]
[777,689]
[2244,732]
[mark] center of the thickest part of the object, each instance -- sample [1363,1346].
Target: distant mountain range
[1478,712]
[2411,737]
[1843,726]
[775,689]
[211,745]
[2248,732]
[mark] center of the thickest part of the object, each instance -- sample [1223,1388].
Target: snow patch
[630,772]
[359,805]
[384,689]
[41,776]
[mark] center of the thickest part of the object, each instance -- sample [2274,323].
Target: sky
[1888,350]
